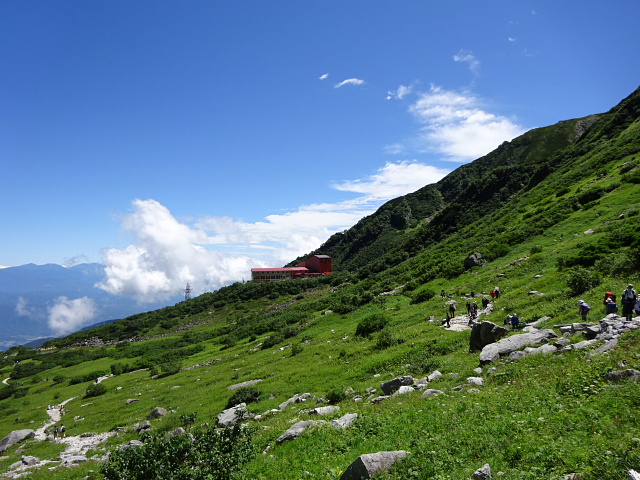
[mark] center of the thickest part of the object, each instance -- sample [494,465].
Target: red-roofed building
[312,266]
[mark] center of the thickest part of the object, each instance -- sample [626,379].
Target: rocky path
[75,451]
[461,322]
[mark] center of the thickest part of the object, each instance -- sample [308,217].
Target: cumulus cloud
[349,81]
[166,254]
[467,57]
[67,316]
[456,124]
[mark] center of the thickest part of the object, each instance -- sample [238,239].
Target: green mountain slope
[554,215]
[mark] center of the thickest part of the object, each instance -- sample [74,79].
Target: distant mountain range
[28,292]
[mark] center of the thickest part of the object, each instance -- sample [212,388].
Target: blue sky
[185,142]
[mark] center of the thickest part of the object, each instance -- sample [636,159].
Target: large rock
[483,473]
[231,415]
[369,464]
[296,429]
[391,386]
[485,333]
[628,374]
[157,413]
[14,437]
[328,410]
[344,421]
[473,260]
[492,352]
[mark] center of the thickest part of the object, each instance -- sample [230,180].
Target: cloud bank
[211,252]
[67,316]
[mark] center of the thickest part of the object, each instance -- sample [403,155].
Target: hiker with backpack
[609,302]
[629,299]
[583,309]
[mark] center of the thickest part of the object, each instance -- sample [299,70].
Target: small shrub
[371,324]
[244,395]
[59,379]
[336,396]
[296,349]
[423,295]
[581,279]
[95,390]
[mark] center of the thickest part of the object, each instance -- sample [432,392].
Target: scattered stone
[157,413]
[479,381]
[249,383]
[231,415]
[379,399]
[483,473]
[389,387]
[29,460]
[627,374]
[368,465]
[328,410]
[143,426]
[434,376]
[431,392]
[296,430]
[345,421]
[132,400]
[404,389]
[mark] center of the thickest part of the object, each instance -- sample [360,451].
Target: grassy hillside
[555,215]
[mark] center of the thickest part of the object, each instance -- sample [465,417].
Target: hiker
[468,308]
[515,321]
[610,305]
[447,320]
[55,432]
[63,431]
[485,302]
[583,309]
[497,290]
[452,310]
[442,293]
[629,299]
[637,307]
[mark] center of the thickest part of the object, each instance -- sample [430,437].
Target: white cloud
[22,308]
[400,93]
[324,77]
[349,81]
[394,180]
[456,125]
[467,57]
[215,251]
[67,316]
[513,39]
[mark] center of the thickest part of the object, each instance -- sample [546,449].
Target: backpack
[585,307]
[628,296]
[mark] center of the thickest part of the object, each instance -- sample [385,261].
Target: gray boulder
[143,426]
[485,333]
[29,460]
[473,260]
[328,410]
[391,386]
[345,421]
[157,413]
[370,464]
[296,430]
[483,473]
[15,437]
[231,415]
[492,352]
[432,392]
[627,374]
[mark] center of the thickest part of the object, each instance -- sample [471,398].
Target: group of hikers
[630,300]
[61,432]
[472,307]
[630,304]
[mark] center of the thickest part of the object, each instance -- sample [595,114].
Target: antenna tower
[187,292]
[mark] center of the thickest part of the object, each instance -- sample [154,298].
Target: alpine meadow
[212,387]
